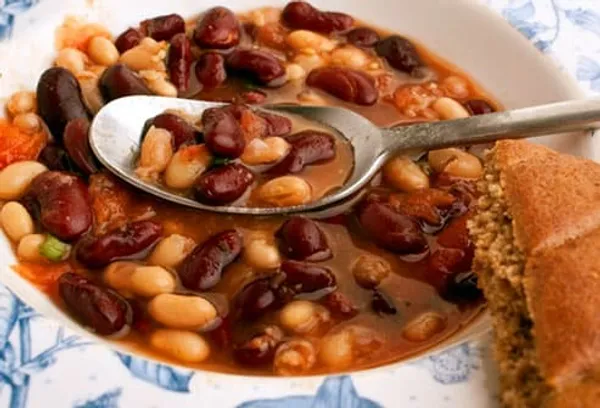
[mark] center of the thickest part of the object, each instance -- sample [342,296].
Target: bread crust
[580,395]
[562,286]
[552,197]
[552,202]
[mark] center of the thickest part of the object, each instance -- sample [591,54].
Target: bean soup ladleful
[240,294]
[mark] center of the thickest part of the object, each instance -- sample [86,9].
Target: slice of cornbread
[537,238]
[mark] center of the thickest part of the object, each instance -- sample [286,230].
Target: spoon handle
[513,124]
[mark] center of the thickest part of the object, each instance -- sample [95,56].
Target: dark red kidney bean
[340,305]
[259,65]
[235,109]
[56,158]
[443,268]
[222,132]
[301,15]
[224,184]
[128,39]
[183,132]
[257,298]
[306,147]
[277,125]
[179,60]
[61,202]
[363,37]
[140,320]
[118,81]
[259,349]
[253,97]
[400,53]
[59,100]
[101,309]
[304,277]
[77,144]
[203,267]
[302,239]
[217,29]
[455,234]
[391,230]
[382,304]
[462,287]
[210,70]
[131,242]
[222,335]
[349,85]
[163,28]
[478,107]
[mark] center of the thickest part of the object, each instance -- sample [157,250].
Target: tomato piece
[42,276]
[18,146]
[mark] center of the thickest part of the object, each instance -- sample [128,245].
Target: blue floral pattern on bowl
[9,10]
[567,30]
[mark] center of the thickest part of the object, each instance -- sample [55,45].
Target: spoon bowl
[116,130]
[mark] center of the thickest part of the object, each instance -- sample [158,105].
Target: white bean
[186,166]
[285,191]
[264,151]
[150,281]
[405,175]
[260,254]
[142,57]
[16,221]
[181,345]
[349,56]
[335,350]
[294,357]
[29,248]
[448,108]
[171,251]
[181,312]
[302,316]
[16,178]
[338,350]
[455,87]
[424,326]
[370,270]
[265,16]
[455,162]
[158,83]
[29,123]
[71,59]
[118,276]
[156,152]
[295,72]
[304,40]
[21,102]
[90,91]
[309,62]
[102,51]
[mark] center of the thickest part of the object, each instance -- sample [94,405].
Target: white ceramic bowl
[461,31]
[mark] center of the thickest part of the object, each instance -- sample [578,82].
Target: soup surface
[253,295]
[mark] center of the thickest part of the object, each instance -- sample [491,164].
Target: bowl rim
[22,287]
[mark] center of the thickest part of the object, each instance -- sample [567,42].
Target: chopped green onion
[220,161]
[54,249]
[249,85]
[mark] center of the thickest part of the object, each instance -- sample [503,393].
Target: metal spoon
[116,129]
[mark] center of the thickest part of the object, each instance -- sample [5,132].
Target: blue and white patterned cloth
[42,365]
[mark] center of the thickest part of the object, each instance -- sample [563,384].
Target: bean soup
[387,279]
